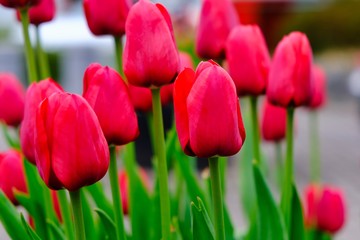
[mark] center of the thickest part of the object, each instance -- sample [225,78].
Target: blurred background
[332,27]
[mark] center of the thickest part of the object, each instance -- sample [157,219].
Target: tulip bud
[106,18]
[185,61]
[108,95]
[18,3]
[217,19]
[290,76]
[207,112]
[34,95]
[273,122]
[318,97]
[12,96]
[248,60]
[42,12]
[71,150]
[150,54]
[12,176]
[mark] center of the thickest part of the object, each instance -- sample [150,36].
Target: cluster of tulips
[63,144]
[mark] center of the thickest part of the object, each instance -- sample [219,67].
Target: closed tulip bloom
[106,18]
[273,122]
[318,97]
[290,76]
[12,97]
[71,150]
[248,60]
[108,95]
[34,95]
[12,176]
[18,3]
[150,55]
[186,60]
[217,19]
[207,112]
[42,12]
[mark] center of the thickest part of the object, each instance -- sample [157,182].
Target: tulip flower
[41,13]
[217,19]
[18,3]
[106,18]
[12,95]
[273,122]
[248,60]
[207,112]
[71,150]
[290,76]
[34,95]
[12,176]
[318,97]
[108,95]
[325,208]
[150,55]
[185,60]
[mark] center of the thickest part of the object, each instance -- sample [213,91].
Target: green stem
[255,129]
[217,198]
[78,215]
[289,168]
[41,56]
[29,54]
[315,161]
[279,164]
[118,54]
[116,196]
[66,214]
[223,168]
[159,145]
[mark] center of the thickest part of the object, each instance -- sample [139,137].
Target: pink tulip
[41,13]
[273,122]
[318,97]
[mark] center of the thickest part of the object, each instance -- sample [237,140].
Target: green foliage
[201,225]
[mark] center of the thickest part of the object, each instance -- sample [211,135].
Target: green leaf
[56,230]
[229,228]
[10,219]
[30,232]
[11,141]
[271,224]
[96,191]
[201,226]
[297,228]
[108,224]
[90,227]
[25,201]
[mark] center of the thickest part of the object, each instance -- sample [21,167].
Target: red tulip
[18,3]
[108,95]
[34,95]
[185,61]
[273,122]
[217,19]
[56,205]
[42,12]
[12,176]
[107,18]
[207,112]
[290,76]
[325,208]
[248,60]
[150,54]
[71,150]
[318,97]
[12,96]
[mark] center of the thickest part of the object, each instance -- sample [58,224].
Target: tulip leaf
[201,226]
[171,138]
[90,228]
[297,228]
[96,192]
[13,143]
[271,224]
[25,201]
[229,228]
[30,232]
[10,219]
[56,231]
[108,224]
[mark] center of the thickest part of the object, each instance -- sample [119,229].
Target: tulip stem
[255,129]
[118,54]
[66,214]
[116,196]
[315,161]
[41,56]
[29,53]
[286,196]
[217,198]
[279,164]
[75,197]
[159,144]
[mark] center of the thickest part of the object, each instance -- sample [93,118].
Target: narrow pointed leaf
[30,232]
[108,224]
[297,228]
[202,228]
[56,231]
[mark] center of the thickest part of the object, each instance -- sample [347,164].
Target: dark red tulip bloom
[12,97]
[71,150]
[12,175]
[318,97]
[150,55]
[207,112]
[34,95]
[42,12]
[325,208]
[248,60]
[108,95]
[107,18]
[290,76]
[273,122]
[18,3]
[217,19]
